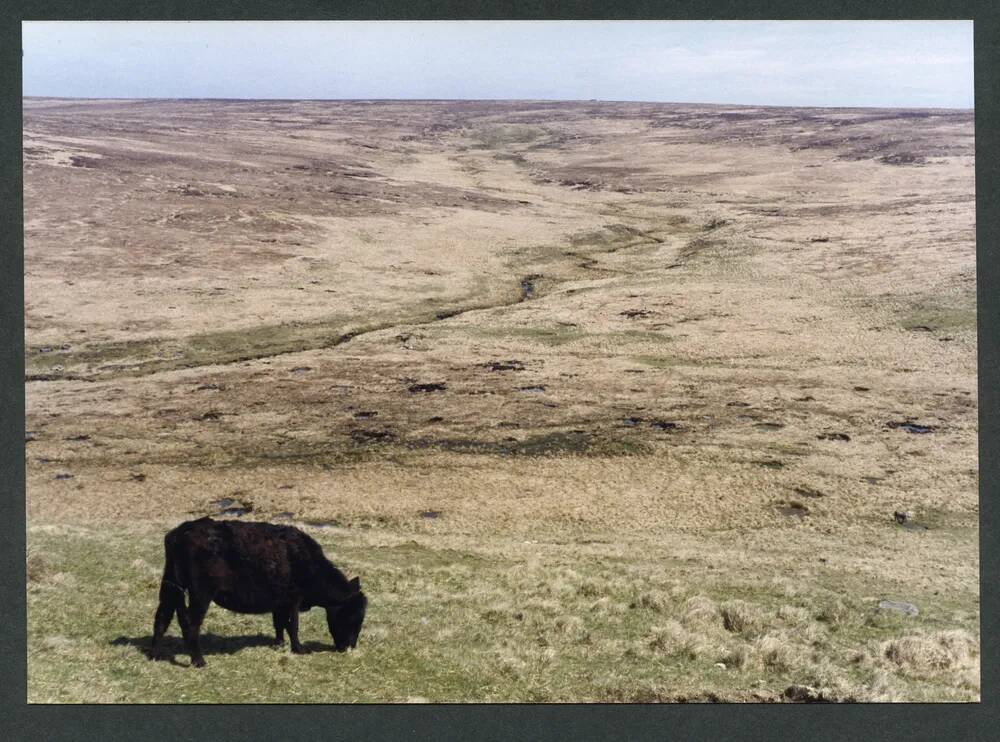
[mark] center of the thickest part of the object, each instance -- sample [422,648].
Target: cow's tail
[171,599]
[173,586]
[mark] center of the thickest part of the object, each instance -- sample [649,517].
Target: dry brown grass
[671,343]
[945,650]
[35,567]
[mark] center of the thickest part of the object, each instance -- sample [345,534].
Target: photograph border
[19,720]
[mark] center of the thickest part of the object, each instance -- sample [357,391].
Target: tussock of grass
[700,610]
[650,601]
[777,653]
[835,614]
[35,567]
[881,689]
[942,650]
[793,615]
[741,618]
[738,656]
[675,640]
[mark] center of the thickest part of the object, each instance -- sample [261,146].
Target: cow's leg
[280,619]
[169,596]
[293,630]
[196,614]
[183,619]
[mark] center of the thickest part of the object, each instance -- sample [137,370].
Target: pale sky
[803,63]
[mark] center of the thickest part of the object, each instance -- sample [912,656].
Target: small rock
[63,475]
[371,436]
[432,514]
[663,425]
[911,427]
[900,517]
[803,694]
[232,506]
[721,665]
[769,426]
[907,609]
[808,492]
[503,365]
[429,387]
[862,389]
[833,437]
[29,437]
[137,477]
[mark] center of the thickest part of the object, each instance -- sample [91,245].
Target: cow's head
[344,619]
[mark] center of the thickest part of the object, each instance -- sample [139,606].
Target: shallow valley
[604,401]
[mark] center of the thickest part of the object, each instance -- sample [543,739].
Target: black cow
[253,568]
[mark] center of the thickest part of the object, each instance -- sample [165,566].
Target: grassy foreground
[459,619]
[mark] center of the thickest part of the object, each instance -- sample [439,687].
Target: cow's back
[246,567]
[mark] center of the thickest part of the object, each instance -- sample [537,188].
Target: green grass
[940,318]
[477,620]
[502,136]
[142,357]
[549,336]
[552,443]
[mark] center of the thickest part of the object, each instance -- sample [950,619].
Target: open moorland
[602,401]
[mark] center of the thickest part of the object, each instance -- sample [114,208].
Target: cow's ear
[355,584]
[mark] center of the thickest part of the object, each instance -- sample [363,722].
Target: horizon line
[487,100]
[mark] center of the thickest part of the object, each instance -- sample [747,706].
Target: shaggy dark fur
[253,568]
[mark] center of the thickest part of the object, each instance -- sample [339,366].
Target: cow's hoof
[198,662]
[300,650]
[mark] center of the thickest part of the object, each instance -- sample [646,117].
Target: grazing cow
[253,568]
